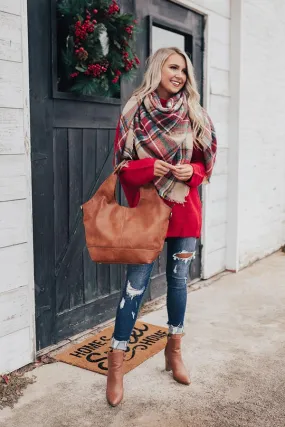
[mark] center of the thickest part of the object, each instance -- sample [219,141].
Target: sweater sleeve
[199,170]
[137,172]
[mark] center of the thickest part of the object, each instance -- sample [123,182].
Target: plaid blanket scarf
[147,129]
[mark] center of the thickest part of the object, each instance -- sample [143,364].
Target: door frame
[188,4]
[168,24]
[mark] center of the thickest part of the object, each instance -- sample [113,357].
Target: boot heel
[173,359]
[167,365]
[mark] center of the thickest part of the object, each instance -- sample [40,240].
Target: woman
[168,139]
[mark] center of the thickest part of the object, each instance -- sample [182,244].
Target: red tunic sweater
[186,219]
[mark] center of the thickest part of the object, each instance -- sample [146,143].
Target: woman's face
[173,76]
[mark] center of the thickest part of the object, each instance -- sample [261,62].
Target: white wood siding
[262,147]
[11,131]
[10,37]
[17,350]
[17,323]
[11,6]
[11,84]
[14,274]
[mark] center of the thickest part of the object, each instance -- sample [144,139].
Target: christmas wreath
[97,42]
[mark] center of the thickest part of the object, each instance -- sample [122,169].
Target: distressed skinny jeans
[180,252]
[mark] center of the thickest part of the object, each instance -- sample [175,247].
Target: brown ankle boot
[173,359]
[115,390]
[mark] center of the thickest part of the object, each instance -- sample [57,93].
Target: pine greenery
[87,68]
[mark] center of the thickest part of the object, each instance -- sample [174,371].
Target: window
[163,33]
[166,38]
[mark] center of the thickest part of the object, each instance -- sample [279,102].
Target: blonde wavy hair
[151,81]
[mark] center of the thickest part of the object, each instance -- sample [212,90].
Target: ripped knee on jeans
[183,256]
[132,292]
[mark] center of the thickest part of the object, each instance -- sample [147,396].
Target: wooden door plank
[90,277]
[63,272]
[102,150]
[86,316]
[84,115]
[61,187]
[76,283]
[89,162]
[89,180]
[75,175]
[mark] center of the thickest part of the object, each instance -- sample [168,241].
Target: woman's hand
[161,168]
[183,172]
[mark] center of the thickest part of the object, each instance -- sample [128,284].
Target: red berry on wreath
[95,11]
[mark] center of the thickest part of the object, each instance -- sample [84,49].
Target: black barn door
[72,141]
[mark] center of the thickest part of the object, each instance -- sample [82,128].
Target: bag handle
[146,192]
[118,168]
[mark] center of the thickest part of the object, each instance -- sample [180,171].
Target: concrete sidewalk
[234,346]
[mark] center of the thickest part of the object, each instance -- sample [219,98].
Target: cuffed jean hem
[119,345]
[175,329]
[122,345]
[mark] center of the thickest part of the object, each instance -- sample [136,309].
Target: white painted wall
[262,133]
[17,323]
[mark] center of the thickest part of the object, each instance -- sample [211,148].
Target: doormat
[146,340]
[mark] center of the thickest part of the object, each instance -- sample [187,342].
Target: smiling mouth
[176,84]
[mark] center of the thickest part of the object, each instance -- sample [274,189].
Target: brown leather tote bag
[117,234]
